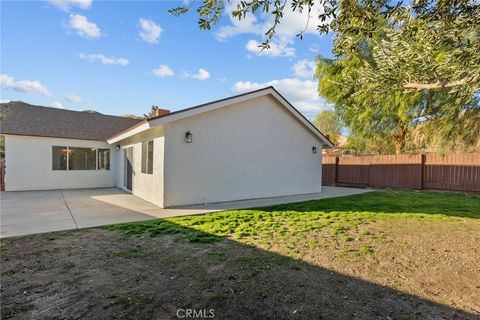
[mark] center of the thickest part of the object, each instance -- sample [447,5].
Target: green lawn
[336,215]
[395,254]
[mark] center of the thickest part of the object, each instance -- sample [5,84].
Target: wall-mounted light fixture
[188,137]
[117,147]
[314,149]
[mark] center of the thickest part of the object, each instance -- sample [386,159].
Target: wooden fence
[456,172]
[2,175]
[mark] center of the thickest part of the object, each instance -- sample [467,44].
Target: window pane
[103,159]
[150,157]
[59,158]
[144,157]
[82,159]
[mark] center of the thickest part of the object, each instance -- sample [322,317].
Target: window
[144,156]
[73,158]
[150,157]
[147,157]
[103,159]
[82,158]
[59,158]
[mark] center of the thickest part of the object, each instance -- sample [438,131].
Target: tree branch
[434,85]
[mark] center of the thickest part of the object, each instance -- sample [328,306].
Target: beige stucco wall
[146,186]
[29,165]
[253,149]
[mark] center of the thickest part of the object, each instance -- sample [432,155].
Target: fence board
[329,166]
[353,171]
[457,172]
[396,171]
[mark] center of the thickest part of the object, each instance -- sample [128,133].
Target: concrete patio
[30,212]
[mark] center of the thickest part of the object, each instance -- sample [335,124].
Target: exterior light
[188,137]
[117,147]
[314,149]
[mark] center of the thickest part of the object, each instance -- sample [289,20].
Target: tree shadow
[150,270]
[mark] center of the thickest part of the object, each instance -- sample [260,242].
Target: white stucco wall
[29,165]
[146,186]
[252,149]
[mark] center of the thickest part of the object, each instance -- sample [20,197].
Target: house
[252,145]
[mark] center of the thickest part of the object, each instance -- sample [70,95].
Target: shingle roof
[21,118]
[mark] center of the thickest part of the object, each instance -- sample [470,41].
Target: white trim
[307,123]
[219,104]
[126,146]
[129,133]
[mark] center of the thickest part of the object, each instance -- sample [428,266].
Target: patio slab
[30,212]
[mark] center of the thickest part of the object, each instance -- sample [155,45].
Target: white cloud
[201,74]
[301,93]
[249,24]
[24,85]
[314,48]
[304,69]
[150,31]
[4,101]
[292,23]
[293,88]
[163,71]
[57,104]
[66,4]
[103,59]
[311,109]
[73,98]
[84,27]
[295,22]
[277,49]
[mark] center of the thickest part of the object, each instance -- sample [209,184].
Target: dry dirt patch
[281,267]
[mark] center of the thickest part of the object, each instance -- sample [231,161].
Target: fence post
[371,170]
[335,176]
[422,168]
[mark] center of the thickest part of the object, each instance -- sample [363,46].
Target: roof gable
[193,111]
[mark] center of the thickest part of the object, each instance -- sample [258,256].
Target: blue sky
[121,57]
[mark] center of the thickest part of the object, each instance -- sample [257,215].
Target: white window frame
[96,159]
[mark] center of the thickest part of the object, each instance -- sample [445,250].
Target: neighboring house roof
[188,112]
[20,118]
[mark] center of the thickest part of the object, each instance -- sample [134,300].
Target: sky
[122,57]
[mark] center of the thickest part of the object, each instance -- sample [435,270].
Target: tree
[396,66]
[382,122]
[151,113]
[453,131]
[430,44]
[329,123]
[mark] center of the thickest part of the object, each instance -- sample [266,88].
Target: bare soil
[391,269]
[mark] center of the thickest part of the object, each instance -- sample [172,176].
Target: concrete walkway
[30,212]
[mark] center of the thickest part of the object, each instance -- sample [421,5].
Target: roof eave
[142,126]
[303,119]
[174,116]
[188,112]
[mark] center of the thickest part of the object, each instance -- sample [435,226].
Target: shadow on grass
[240,281]
[148,270]
[444,203]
